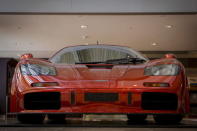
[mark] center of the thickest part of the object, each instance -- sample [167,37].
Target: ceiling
[43,35]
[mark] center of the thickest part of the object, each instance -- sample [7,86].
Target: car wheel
[168,119]
[136,117]
[56,117]
[30,118]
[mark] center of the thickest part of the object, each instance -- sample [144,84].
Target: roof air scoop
[170,56]
[26,56]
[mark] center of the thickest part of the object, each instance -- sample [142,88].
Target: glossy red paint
[121,79]
[170,56]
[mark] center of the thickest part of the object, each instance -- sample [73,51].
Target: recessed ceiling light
[84,37]
[154,44]
[84,26]
[168,26]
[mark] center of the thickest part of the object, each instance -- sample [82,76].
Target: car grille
[101,97]
[42,101]
[159,101]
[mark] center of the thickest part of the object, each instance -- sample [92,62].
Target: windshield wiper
[125,61]
[116,61]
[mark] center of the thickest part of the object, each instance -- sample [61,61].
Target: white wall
[98,6]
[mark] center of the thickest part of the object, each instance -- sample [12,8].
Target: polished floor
[93,129]
[97,121]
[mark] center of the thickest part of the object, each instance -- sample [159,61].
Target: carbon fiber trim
[129,98]
[72,98]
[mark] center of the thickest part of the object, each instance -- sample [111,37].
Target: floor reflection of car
[99,79]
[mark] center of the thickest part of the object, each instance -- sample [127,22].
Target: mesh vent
[159,101]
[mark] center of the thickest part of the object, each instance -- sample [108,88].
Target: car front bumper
[101,101]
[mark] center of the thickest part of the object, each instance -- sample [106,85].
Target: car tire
[30,118]
[56,117]
[168,119]
[136,117]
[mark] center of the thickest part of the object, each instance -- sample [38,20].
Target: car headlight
[162,70]
[37,69]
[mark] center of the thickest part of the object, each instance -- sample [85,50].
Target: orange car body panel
[80,79]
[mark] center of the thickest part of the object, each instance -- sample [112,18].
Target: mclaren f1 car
[99,79]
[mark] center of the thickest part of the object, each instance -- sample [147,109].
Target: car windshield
[97,54]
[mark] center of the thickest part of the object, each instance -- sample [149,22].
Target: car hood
[83,72]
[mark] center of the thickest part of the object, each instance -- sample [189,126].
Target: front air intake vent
[42,101]
[159,101]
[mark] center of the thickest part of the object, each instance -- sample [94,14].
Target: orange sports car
[99,79]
